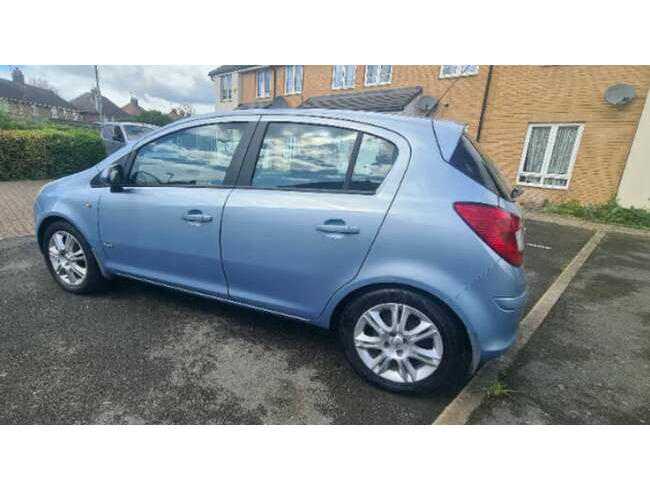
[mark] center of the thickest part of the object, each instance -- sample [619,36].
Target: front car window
[134,131]
[197,156]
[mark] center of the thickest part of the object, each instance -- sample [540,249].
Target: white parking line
[471,396]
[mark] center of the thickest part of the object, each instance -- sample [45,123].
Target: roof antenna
[462,72]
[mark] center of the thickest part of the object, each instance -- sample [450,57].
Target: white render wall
[634,189]
[224,106]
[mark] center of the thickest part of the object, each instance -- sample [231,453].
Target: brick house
[20,99]
[86,103]
[133,108]
[548,127]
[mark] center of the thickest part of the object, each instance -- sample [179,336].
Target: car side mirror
[115,178]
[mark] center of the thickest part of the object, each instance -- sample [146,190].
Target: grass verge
[609,213]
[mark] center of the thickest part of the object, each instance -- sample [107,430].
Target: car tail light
[500,229]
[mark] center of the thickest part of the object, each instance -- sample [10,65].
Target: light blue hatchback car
[396,231]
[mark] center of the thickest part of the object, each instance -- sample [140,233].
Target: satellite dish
[620,95]
[426,104]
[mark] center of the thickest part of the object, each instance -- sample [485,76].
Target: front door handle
[196,216]
[337,226]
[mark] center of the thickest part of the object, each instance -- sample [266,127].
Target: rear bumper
[492,309]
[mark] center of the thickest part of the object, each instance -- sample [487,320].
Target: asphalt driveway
[142,354]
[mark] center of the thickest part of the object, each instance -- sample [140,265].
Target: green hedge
[49,152]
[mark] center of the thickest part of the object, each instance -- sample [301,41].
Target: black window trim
[247,171]
[231,174]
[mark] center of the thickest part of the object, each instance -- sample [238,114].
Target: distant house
[20,99]
[133,108]
[87,104]
[227,85]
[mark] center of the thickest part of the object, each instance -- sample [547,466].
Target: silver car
[117,134]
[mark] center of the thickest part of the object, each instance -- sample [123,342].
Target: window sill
[376,84]
[289,94]
[543,186]
[458,76]
[343,88]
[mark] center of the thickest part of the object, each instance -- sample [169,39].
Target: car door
[310,200]
[164,224]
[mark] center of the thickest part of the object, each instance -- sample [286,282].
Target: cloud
[156,86]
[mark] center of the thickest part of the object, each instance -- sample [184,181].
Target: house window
[378,74]
[292,79]
[344,76]
[226,87]
[263,83]
[449,71]
[549,153]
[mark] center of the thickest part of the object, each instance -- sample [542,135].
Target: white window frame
[222,79]
[458,72]
[344,86]
[543,173]
[390,78]
[267,72]
[293,90]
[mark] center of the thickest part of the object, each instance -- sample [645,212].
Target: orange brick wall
[462,103]
[519,95]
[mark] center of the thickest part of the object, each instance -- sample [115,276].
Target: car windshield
[134,132]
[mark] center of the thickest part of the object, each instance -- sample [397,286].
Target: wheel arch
[47,221]
[350,296]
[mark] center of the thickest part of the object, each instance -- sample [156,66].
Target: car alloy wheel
[67,258]
[398,342]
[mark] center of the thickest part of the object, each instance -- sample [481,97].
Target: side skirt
[216,298]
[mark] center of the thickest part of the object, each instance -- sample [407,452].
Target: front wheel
[70,259]
[403,341]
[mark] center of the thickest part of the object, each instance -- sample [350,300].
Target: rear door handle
[196,216]
[337,226]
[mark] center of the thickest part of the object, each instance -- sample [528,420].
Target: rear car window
[310,156]
[470,159]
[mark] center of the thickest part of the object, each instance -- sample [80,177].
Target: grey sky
[156,86]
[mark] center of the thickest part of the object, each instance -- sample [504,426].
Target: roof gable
[86,103]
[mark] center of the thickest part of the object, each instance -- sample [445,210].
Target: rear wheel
[403,341]
[70,259]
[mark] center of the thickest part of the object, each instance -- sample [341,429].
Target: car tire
[61,252]
[400,356]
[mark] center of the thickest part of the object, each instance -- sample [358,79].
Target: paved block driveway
[141,354]
[16,200]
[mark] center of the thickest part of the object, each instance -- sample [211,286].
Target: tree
[43,83]
[183,110]
[152,117]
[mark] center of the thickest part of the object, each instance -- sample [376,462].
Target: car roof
[390,121]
